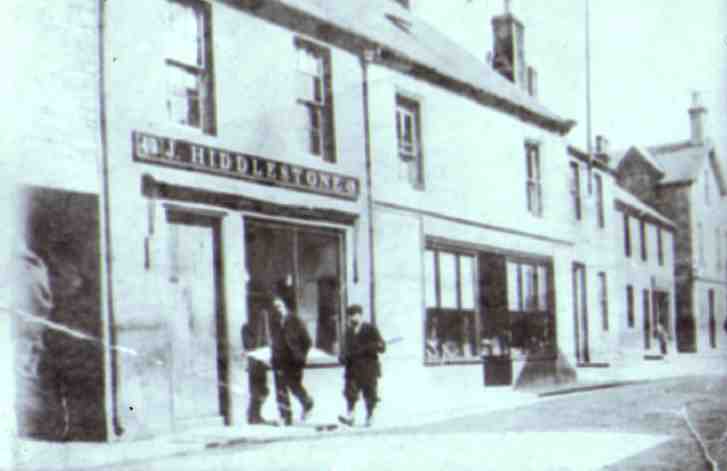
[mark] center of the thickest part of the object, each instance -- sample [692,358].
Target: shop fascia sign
[187,155]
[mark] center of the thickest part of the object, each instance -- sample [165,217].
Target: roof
[405,37]
[619,156]
[682,161]
[628,199]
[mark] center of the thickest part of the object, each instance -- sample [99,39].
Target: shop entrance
[580,313]
[304,261]
[197,321]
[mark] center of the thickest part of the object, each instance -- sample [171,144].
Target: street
[644,426]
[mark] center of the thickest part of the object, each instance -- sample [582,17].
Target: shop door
[196,323]
[580,313]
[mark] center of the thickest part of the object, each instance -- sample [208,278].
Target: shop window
[630,306]
[603,299]
[190,100]
[599,200]
[303,261]
[315,99]
[575,189]
[627,235]
[409,135]
[534,183]
[528,304]
[451,324]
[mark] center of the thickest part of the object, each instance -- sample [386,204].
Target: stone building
[685,181]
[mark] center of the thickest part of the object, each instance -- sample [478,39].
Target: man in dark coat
[257,371]
[291,343]
[360,356]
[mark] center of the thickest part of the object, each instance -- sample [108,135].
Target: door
[580,313]
[196,323]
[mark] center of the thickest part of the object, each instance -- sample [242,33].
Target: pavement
[399,410]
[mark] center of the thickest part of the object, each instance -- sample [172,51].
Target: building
[685,181]
[198,172]
[623,273]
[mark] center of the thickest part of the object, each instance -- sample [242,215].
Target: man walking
[291,343]
[360,356]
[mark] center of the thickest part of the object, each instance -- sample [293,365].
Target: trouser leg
[257,376]
[370,394]
[295,383]
[282,397]
[350,392]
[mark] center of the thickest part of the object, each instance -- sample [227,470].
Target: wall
[256,114]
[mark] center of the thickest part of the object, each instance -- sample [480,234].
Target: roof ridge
[670,147]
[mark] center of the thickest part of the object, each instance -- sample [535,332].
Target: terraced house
[208,152]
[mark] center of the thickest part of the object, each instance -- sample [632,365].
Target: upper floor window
[534,183]
[627,235]
[644,241]
[409,136]
[315,99]
[659,246]
[190,87]
[575,189]
[598,180]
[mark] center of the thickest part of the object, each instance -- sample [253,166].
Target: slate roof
[618,156]
[628,199]
[682,161]
[389,25]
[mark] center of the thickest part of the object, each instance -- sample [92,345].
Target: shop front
[212,260]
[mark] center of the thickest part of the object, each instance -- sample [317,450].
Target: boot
[307,408]
[370,417]
[347,418]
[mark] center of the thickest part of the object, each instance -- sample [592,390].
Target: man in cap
[360,356]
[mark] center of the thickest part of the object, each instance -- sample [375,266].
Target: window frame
[534,183]
[408,106]
[660,245]
[576,189]
[321,138]
[643,236]
[203,70]
[630,307]
[646,311]
[603,301]
[627,235]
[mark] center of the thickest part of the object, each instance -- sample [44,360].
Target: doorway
[580,313]
[196,324]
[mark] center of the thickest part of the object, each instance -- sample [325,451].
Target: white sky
[647,57]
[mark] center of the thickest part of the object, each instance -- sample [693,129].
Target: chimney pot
[697,117]
[602,144]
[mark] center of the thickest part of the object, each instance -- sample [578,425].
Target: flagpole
[589,136]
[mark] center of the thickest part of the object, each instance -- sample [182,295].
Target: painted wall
[257,113]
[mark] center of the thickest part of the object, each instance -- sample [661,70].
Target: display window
[306,261]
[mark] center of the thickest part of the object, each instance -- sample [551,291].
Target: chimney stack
[602,144]
[509,50]
[697,118]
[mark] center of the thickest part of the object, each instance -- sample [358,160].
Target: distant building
[685,181]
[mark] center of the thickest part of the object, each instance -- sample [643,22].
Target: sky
[647,57]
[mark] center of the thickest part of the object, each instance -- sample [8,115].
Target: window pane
[184,100]
[513,287]
[529,288]
[542,288]
[467,274]
[184,34]
[430,288]
[448,280]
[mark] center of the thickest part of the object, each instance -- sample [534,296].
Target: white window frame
[534,184]
[408,110]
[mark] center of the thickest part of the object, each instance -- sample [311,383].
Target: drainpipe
[113,426]
[368,56]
